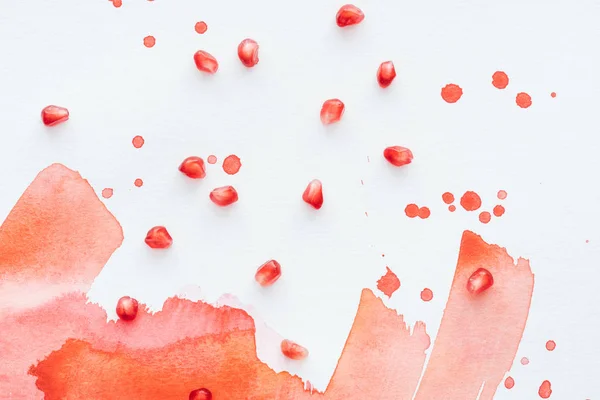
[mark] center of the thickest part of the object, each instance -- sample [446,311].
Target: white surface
[88,56]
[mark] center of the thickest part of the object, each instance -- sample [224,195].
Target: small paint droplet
[451,93]
[523,100]
[212,159]
[448,198]
[149,41]
[424,212]
[138,182]
[499,211]
[117,3]
[200,394]
[388,283]
[127,308]
[524,361]
[480,281]
[500,80]
[349,15]
[502,194]
[332,111]
[485,217]
[232,164]
[470,201]
[509,383]
[201,27]
[293,350]
[411,210]
[268,273]
[550,345]
[545,390]
[158,238]
[224,196]
[138,142]
[452,208]
[107,193]
[426,294]
[313,194]
[383,255]
[553,94]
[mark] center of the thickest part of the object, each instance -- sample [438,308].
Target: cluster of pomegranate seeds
[386,74]
[200,394]
[268,273]
[54,115]
[159,238]
[293,350]
[313,194]
[332,111]
[127,308]
[205,62]
[480,281]
[248,52]
[349,15]
[193,167]
[224,196]
[398,155]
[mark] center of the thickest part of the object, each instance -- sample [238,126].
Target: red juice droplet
[500,80]
[485,217]
[313,194]
[480,281]
[232,164]
[293,350]
[524,361]
[426,294]
[107,193]
[201,27]
[499,211]
[248,52]
[349,15]
[205,62]
[398,155]
[550,345]
[200,394]
[424,212]
[212,159]
[193,167]
[545,390]
[470,201]
[452,208]
[386,73]
[509,383]
[411,210]
[451,93]
[138,142]
[149,41]
[523,100]
[158,238]
[224,196]
[448,198]
[138,182]
[332,111]
[502,194]
[127,308]
[54,115]
[268,273]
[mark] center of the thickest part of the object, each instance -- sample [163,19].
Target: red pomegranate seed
[248,52]
[398,155]
[200,394]
[386,74]
[293,350]
[224,196]
[205,62]
[480,281]
[127,308]
[268,273]
[54,115]
[349,15]
[313,194]
[332,111]
[159,238]
[193,167]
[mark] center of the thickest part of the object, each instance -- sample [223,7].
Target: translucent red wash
[127,308]
[386,74]
[332,111]
[349,15]
[268,273]
[193,167]
[54,115]
[313,194]
[248,52]
[200,394]
[159,238]
[205,62]
[224,196]
[293,350]
[398,156]
[480,281]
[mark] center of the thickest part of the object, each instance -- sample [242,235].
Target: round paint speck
[500,80]
[470,201]
[138,142]
[502,194]
[553,94]
[509,383]
[426,294]
[550,345]
[485,217]
[424,212]
[452,208]
[499,211]
[107,193]
[451,93]
[149,41]
[411,210]
[201,27]
[138,182]
[448,198]
[232,164]
[524,361]
[212,159]
[523,100]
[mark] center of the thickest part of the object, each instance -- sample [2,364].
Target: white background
[88,56]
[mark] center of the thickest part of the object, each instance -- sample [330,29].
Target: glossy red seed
[200,394]
[293,350]
[398,155]
[332,111]
[54,115]
[159,238]
[313,194]
[224,196]
[386,74]
[193,167]
[480,281]
[127,308]
[349,15]
[205,62]
[248,52]
[268,273]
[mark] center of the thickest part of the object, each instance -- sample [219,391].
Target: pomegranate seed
[293,350]
[193,167]
[127,308]
[332,111]
[200,394]
[398,155]
[205,62]
[54,115]
[313,194]
[268,273]
[224,196]
[159,238]
[248,52]
[386,74]
[480,281]
[349,15]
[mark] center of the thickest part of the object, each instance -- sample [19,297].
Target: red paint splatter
[448,198]
[523,100]
[293,350]
[149,41]
[212,159]
[107,193]
[470,201]
[502,194]
[313,194]
[509,383]
[452,208]
[268,273]
[500,80]
[205,62]
[545,390]
[201,27]
[424,212]
[499,211]
[388,283]
[138,182]
[138,142]
[553,94]
[232,164]
[224,196]
[248,52]
[54,115]
[349,15]
[332,111]
[485,217]
[524,361]
[411,210]
[426,294]
[550,345]
[451,93]
[158,238]
[386,73]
